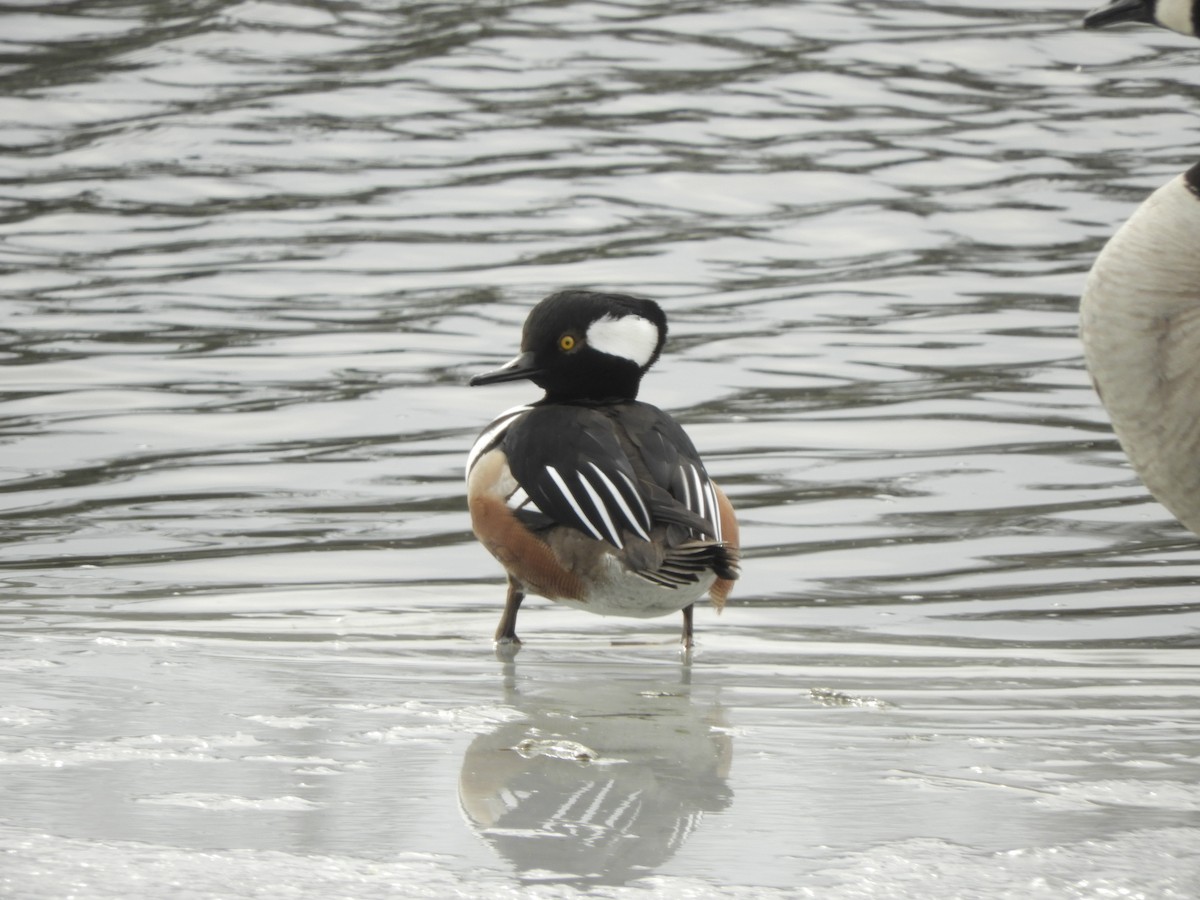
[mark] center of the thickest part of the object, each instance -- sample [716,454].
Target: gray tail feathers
[687,562]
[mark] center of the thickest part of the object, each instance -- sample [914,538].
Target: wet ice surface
[344,761]
[250,253]
[356,761]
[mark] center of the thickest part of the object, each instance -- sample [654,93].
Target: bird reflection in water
[600,782]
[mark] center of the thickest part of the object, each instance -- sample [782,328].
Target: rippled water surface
[251,252]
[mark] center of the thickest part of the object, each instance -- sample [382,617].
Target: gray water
[250,254]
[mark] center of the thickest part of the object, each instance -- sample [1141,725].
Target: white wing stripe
[716,510]
[636,494]
[699,493]
[605,518]
[570,498]
[621,504]
[687,493]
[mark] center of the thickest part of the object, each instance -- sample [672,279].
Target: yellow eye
[566,342]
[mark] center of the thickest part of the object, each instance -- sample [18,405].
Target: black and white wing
[682,495]
[625,474]
[612,470]
[570,463]
[672,462]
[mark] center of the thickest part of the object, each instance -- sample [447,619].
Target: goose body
[1140,324]
[1177,15]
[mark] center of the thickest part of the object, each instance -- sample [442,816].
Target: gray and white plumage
[1182,16]
[1140,324]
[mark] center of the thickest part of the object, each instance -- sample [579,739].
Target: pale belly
[618,592]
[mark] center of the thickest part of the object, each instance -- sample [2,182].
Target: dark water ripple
[237,233]
[250,253]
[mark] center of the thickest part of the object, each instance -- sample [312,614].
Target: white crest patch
[1176,15]
[630,337]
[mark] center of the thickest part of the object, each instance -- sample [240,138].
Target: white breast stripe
[570,498]
[621,504]
[517,498]
[637,495]
[716,510]
[605,518]
[492,434]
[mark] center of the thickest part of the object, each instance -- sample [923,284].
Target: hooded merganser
[1138,320]
[587,496]
[1177,15]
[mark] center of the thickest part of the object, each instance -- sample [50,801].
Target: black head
[586,345]
[1177,15]
[1192,179]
